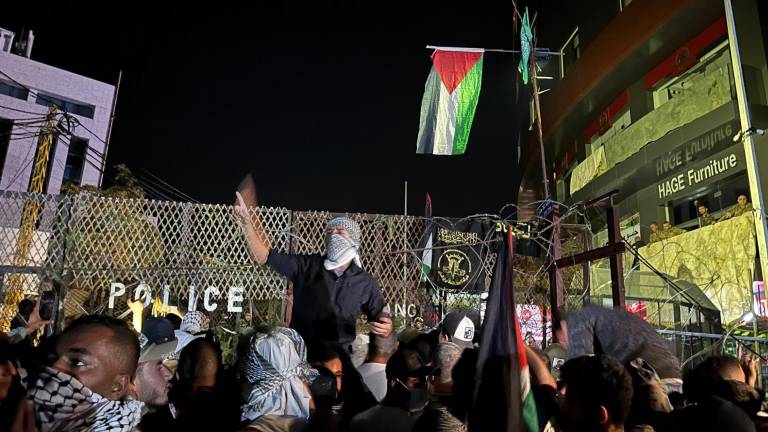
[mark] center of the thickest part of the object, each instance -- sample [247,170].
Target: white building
[27,89]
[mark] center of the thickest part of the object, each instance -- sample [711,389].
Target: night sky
[321,104]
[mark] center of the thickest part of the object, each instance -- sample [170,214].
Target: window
[570,52]
[6,127]
[67,106]
[13,91]
[73,168]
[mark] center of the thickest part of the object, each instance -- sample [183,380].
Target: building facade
[647,100]
[27,89]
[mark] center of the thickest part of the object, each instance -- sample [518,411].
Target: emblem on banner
[454,267]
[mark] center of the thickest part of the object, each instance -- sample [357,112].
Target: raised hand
[241,209]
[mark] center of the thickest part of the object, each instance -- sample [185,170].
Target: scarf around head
[276,368]
[340,250]
[352,227]
[62,403]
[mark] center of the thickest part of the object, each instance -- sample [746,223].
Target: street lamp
[745,318]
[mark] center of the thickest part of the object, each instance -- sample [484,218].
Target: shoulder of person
[362,274]
[589,309]
[309,258]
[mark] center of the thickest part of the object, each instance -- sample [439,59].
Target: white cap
[460,328]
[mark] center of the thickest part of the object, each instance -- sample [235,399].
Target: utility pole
[748,140]
[556,286]
[29,218]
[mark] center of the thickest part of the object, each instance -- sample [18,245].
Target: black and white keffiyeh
[195,322]
[276,368]
[352,227]
[62,403]
[339,249]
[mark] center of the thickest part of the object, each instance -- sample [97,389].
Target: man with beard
[331,290]
[89,386]
[158,343]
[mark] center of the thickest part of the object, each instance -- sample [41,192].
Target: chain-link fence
[81,244]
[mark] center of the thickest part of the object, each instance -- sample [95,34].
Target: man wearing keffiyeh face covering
[330,290]
[89,386]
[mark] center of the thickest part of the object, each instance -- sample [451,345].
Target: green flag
[526,42]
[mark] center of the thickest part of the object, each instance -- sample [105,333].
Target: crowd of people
[705,219]
[607,371]
[610,372]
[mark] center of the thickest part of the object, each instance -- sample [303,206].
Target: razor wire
[83,243]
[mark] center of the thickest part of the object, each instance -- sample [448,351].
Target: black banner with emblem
[459,253]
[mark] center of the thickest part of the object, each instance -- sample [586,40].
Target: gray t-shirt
[622,335]
[375,377]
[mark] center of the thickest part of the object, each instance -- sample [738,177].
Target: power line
[79,123]
[68,141]
[153,190]
[20,170]
[34,93]
[26,119]
[99,156]
[182,194]
[171,192]
[17,110]
[157,192]
[39,96]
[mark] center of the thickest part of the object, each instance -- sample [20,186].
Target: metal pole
[616,260]
[556,288]
[750,156]
[29,217]
[109,128]
[405,197]
[405,247]
[757,350]
[586,267]
[540,134]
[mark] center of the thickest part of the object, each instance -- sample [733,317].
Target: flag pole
[539,133]
[556,286]
[499,50]
[405,246]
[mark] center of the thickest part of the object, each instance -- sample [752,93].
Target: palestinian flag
[503,397]
[450,98]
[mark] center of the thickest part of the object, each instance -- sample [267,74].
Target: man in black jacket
[331,290]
